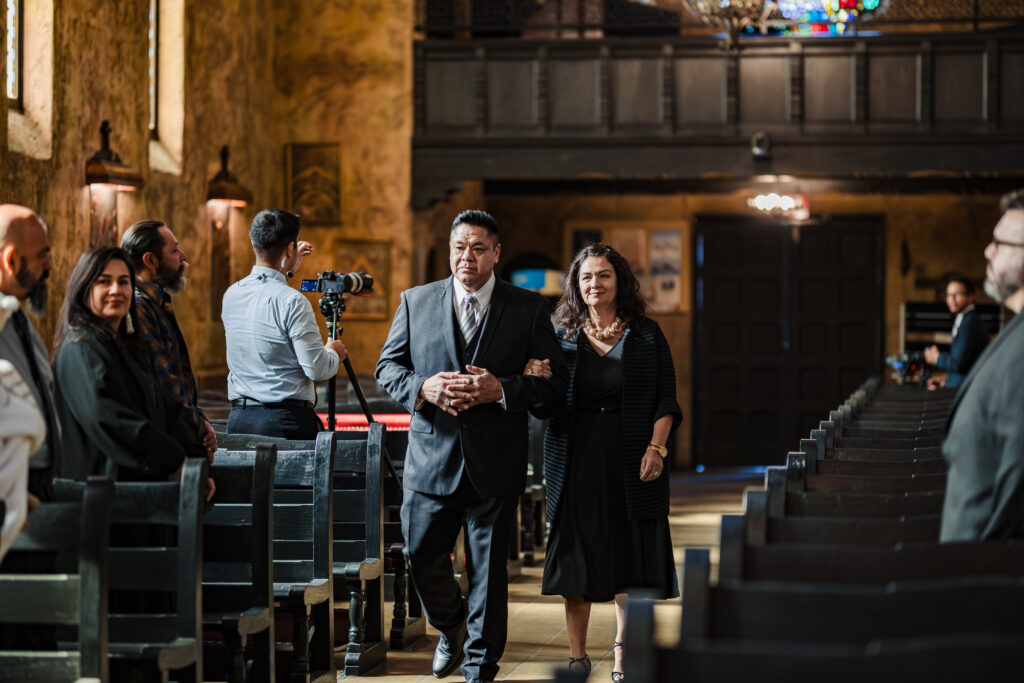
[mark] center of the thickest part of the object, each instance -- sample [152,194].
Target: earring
[128,327]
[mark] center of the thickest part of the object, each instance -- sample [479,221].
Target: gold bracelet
[662,451]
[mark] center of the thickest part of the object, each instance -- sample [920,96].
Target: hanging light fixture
[223,193]
[735,15]
[106,175]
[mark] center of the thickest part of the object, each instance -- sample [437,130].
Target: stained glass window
[825,17]
[154,11]
[14,43]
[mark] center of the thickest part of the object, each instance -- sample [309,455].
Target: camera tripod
[332,305]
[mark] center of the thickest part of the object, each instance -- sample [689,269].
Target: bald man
[984,442]
[24,266]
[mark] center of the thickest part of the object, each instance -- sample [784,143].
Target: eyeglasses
[1000,243]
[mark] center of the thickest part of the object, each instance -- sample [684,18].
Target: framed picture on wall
[658,252]
[366,256]
[313,181]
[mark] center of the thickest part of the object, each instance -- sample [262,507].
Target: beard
[1005,285]
[36,294]
[173,282]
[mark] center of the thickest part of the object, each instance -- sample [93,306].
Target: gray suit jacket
[984,445]
[12,349]
[489,440]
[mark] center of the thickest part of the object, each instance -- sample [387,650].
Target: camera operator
[274,349]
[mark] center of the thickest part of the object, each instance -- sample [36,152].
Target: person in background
[22,431]
[160,265]
[274,349]
[604,451]
[969,336]
[24,268]
[117,419]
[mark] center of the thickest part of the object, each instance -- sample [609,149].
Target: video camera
[905,365]
[330,282]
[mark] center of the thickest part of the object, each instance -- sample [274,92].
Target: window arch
[30,120]
[13,53]
[166,68]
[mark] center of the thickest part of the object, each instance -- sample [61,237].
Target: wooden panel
[764,89]
[701,90]
[512,93]
[638,90]
[960,87]
[1012,105]
[575,93]
[893,88]
[828,88]
[453,85]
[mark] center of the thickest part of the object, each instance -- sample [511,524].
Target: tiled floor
[538,643]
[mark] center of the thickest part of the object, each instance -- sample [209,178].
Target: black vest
[467,351]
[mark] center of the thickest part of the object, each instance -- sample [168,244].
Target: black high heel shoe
[583,661]
[618,676]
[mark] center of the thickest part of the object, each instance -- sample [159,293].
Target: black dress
[594,549]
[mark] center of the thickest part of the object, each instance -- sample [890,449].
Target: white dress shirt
[274,348]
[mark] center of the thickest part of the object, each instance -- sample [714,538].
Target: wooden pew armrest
[367,570]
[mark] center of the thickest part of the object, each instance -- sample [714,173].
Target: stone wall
[257,76]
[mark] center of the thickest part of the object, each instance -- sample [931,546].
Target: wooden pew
[75,597]
[783,501]
[838,613]
[152,634]
[303,557]
[798,478]
[942,658]
[238,587]
[743,559]
[874,531]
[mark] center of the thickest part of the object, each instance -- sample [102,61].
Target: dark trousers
[431,525]
[280,420]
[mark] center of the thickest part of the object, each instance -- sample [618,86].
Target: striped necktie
[469,317]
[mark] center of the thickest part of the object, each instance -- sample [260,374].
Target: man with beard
[984,442]
[969,336]
[160,267]
[24,266]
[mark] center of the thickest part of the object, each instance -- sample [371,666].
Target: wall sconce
[106,175]
[793,206]
[224,192]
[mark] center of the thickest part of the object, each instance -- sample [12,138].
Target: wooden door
[787,322]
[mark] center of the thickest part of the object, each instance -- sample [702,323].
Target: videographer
[274,349]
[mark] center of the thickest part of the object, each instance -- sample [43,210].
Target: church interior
[793,190]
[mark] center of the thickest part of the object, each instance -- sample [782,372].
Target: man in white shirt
[275,352]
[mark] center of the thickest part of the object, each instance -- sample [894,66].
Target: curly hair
[629,303]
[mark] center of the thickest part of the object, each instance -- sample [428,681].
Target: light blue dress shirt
[274,348]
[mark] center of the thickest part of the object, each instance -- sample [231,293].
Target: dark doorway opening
[788,321]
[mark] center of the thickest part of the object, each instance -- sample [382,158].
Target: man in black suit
[984,442]
[969,335]
[454,358]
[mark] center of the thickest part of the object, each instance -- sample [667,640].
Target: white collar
[483,295]
[961,314]
[263,273]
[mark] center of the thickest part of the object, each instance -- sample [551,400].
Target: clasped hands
[455,392]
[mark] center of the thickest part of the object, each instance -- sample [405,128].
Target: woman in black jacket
[604,452]
[116,420]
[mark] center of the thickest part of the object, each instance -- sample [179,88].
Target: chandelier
[734,16]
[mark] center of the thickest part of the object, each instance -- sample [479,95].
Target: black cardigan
[648,393]
[116,420]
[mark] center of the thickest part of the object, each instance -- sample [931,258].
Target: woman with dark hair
[604,452]
[116,420]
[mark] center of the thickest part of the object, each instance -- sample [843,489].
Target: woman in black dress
[116,420]
[608,492]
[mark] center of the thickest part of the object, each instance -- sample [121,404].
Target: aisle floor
[538,643]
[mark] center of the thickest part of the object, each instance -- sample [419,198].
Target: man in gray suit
[454,358]
[24,266]
[985,435]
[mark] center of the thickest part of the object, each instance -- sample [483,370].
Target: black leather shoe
[448,653]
